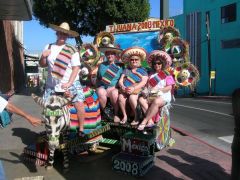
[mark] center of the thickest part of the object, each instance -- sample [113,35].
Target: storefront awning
[20,10]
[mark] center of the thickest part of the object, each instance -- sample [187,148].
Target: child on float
[159,87]
[132,80]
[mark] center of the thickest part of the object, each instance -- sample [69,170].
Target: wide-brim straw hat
[110,48]
[165,56]
[104,39]
[88,51]
[64,28]
[133,51]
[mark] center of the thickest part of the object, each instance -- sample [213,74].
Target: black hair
[161,60]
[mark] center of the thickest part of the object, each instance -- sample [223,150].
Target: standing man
[63,62]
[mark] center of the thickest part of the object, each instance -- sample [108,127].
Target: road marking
[2,174]
[219,102]
[227,139]
[203,110]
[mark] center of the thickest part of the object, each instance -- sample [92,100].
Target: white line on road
[218,102]
[227,139]
[203,110]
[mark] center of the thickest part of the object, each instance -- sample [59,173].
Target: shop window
[228,13]
[233,43]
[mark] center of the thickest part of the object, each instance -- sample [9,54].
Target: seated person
[4,104]
[107,78]
[132,80]
[159,87]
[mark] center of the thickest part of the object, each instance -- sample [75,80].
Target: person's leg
[80,114]
[113,95]
[102,95]
[14,109]
[78,102]
[144,104]
[152,110]
[133,100]
[122,104]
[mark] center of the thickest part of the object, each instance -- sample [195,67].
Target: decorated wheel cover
[186,75]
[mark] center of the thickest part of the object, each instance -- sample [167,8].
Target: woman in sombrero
[108,75]
[159,87]
[133,79]
[63,62]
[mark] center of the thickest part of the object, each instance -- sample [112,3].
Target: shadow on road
[193,166]
[27,136]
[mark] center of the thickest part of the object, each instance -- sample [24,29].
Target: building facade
[12,75]
[212,29]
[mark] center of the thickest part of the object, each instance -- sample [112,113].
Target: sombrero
[186,75]
[104,39]
[111,48]
[133,51]
[165,56]
[64,28]
[179,48]
[88,51]
[175,32]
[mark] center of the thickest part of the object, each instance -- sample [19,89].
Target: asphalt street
[208,119]
[187,159]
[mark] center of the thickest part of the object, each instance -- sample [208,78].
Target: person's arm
[120,82]
[166,88]
[75,71]
[31,119]
[139,85]
[45,54]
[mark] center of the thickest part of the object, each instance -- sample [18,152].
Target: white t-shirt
[3,104]
[75,61]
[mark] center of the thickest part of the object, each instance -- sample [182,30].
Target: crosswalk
[227,139]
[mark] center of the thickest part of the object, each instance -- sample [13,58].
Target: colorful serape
[110,74]
[62,61]
[156,79]
[92,111]
[134,77]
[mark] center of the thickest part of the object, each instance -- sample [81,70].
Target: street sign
[213,74]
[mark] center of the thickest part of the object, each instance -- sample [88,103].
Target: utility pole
[209,51]
[161,9]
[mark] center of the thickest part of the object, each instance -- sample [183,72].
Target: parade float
[136,148]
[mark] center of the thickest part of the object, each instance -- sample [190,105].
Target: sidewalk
[189,158]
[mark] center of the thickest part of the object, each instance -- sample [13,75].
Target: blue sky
[37,36]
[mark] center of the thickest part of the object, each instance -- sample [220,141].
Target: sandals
[123,121]
[134,123]
[141,127]
[150,125]
[81,134]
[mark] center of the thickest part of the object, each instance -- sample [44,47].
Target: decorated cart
[136,148]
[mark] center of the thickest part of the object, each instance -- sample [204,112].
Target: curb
[197,139]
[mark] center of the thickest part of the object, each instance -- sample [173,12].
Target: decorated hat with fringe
[104,39]
[165,56]
[133,51]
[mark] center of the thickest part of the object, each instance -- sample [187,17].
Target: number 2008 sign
[128,167]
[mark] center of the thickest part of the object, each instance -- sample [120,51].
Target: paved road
[187,159]
[209,120]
